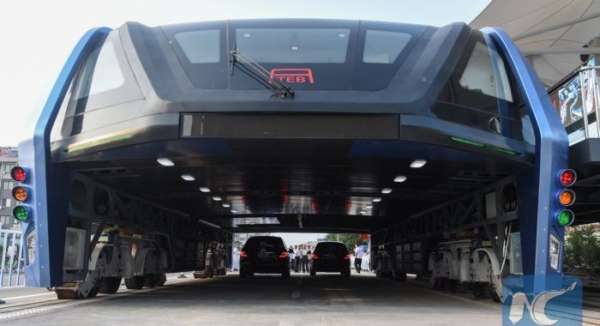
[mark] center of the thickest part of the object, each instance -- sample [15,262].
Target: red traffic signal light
[567,177]
[18,174]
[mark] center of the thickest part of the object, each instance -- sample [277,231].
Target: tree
[582,250]
[349,239]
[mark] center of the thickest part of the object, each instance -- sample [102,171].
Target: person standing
[304,261]
[366,261]
[292,256]
[359,253]
[297,259]
[235,259]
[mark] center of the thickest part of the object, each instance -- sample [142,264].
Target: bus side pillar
[538,187]
[45,230]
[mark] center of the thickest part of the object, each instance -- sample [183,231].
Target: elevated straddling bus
[157,141]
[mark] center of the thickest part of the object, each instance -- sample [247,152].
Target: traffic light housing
[21,193]
[566,198]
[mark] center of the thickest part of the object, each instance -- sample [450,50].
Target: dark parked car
[264,254]
[330,257]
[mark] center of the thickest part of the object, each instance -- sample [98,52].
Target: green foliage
[582,250]
[349,239]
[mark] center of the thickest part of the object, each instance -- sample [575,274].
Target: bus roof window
[294,45]
[101,72]
[201,46]
[485,72]
[384,47]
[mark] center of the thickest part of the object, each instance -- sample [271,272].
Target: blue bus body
[177,108]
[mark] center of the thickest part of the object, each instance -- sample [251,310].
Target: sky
[37,36]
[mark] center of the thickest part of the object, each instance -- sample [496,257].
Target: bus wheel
[134,283]
[109,285]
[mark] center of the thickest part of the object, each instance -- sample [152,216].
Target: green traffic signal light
[21,213]
[565,217]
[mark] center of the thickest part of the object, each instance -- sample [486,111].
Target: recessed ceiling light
[386,191]
[217,198]
[165,161]
[188,177]
[400,178]
[377,199]
[233,211]
[417,164]
[205,189]
[226,205]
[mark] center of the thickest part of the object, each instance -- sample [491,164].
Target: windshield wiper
[257,72]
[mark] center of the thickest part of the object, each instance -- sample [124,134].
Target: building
[8,159]
[239,239]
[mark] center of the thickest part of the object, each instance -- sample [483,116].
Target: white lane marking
[72,303]
[29,296]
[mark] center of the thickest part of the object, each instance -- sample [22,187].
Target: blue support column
[45,232]
[539,186]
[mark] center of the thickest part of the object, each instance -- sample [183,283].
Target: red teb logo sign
[293,75]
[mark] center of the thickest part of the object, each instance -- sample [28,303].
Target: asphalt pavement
[261,301]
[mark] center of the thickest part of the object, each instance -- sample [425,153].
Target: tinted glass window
[485,73]
[478,93]
[264,243]
[384,46]
[293,45]
[100,73]
[331,248]
[201,46]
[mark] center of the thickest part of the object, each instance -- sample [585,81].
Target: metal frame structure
[537,185]
[466,215]
[11,275]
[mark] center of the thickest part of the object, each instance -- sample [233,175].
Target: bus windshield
[293,45]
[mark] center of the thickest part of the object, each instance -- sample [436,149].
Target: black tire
[313,273]
[400,276]
[435,283]
[285,275]
[92,293]
[162,279]
[151,280]
[134,283]
[480,290]
[450,285]
[109,285]
[346,273]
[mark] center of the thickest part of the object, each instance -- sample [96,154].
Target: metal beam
[294,229]
[594,50]
[555,26]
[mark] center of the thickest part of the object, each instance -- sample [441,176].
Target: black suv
[264,254]
[330,257]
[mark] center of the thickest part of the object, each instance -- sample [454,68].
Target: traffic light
[566,197]
[21,194]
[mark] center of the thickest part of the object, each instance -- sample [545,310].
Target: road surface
[262,301]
